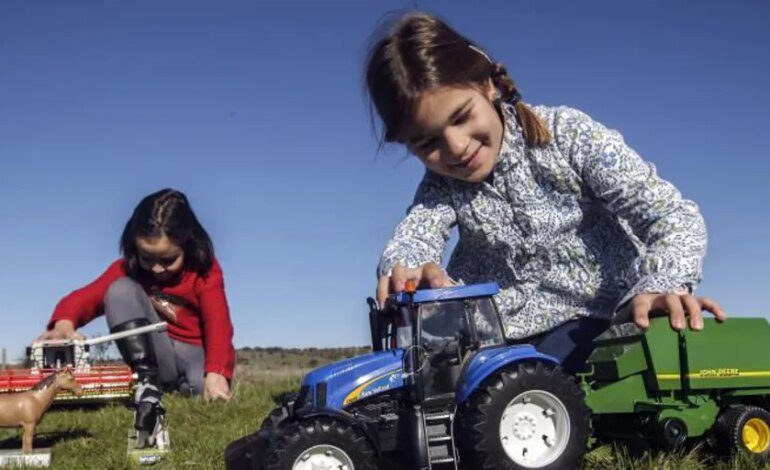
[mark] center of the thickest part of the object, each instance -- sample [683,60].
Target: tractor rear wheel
[321,443]
[527,415]
[744,429]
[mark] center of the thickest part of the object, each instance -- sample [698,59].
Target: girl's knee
[121,290]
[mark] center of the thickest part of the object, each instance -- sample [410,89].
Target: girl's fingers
[435,276]
[693,311]
[428,275]
[398,278]
[675,311]
[713,307]
[383,287]
[640,310]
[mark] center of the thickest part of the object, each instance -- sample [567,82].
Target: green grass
[96,438]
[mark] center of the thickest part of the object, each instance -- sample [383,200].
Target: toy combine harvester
[100,383]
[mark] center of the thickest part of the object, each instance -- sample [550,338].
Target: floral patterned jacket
[570,230]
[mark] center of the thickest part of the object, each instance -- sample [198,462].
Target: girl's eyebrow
[452,117]
[459,109]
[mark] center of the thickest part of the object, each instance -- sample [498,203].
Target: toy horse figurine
[26,409]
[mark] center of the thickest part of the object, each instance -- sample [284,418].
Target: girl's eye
[168,261]
[149,261]
[462,119]
[426,144]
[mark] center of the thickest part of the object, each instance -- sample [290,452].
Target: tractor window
[487,323]
[443,322]
[403,328]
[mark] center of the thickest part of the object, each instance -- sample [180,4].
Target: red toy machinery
[99,382]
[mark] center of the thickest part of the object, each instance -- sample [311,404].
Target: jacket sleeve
[217,328]
[422,235]
[670,228]
[84,304]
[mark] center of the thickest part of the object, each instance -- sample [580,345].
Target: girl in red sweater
[167,272]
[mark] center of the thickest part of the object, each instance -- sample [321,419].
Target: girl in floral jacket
[555,207]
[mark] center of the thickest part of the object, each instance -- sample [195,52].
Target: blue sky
[255,110]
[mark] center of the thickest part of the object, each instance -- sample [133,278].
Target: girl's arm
[83,305]
[670,227]
[216,325]
[420,238]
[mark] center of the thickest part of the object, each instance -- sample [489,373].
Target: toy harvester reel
[440,389]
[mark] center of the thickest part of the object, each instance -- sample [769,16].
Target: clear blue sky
[256,111]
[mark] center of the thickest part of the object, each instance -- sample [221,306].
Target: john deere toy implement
[663,387]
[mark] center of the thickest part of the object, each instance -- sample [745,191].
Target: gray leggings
[180,365]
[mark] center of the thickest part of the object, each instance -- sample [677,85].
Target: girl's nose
[456,143]
[158,269]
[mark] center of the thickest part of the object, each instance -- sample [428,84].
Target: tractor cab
[438,329]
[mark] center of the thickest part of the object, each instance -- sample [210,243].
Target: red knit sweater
[204,321]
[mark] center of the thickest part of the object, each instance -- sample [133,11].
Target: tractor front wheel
[528,415]
[745,429]
[321,443]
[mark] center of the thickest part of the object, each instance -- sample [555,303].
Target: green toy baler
[664,387]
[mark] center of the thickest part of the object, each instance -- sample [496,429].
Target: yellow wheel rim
[756,435]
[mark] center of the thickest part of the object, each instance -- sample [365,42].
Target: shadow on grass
[44,439]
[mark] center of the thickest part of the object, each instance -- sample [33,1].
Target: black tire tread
[307,433]
[728,429]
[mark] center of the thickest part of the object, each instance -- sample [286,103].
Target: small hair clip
[477,49]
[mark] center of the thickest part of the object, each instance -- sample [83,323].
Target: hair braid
[535,131]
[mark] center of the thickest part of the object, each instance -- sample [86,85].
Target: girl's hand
[216,387]
[676,305]
[62,329]
[428,275]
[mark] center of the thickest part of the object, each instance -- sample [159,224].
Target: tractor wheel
[273,421]
[744,429]
[321,443]
[672,434]
[527,415]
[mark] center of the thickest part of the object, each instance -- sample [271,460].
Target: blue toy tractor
[440,390]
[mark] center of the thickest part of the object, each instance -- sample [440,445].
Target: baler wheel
[321,443]
[745,429]
[672,434]
[526,415]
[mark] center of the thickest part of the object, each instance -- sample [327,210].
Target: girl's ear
[491,91]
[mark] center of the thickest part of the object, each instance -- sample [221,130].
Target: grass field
[96,438]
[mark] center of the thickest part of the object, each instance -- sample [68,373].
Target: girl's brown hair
[167,212]
[421,52]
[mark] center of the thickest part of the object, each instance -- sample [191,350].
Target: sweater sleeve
[84,304]
[422,235]
[217,328]
[670,227]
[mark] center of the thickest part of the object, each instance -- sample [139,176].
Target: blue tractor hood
[337,385]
